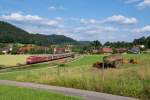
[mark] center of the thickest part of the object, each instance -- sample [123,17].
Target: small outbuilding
[7,50]
[135,50]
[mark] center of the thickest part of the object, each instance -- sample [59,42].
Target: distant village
[34,49]
[56,49]
[109,50]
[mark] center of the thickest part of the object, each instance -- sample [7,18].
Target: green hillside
[12,34]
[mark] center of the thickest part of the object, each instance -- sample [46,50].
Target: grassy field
[85,61]
[12,60]
[128,80]
[18,93]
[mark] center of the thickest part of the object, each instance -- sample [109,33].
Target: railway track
[26,66]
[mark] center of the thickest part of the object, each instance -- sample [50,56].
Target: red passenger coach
[39,59]
[31,60]
[36,59]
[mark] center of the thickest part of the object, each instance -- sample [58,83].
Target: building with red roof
[62,50]
[106,50]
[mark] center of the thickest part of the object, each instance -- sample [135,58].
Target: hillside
[12,34]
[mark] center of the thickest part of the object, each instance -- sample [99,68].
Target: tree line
[86,47]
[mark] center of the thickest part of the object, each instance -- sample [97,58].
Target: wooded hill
[12,34]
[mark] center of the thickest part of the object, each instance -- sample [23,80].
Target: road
[87,95]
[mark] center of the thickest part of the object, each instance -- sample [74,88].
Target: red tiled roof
[60,49]
[107,50]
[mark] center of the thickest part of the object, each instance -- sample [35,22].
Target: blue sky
[104,20]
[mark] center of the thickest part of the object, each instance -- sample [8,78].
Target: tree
[81,49]
[148,42]
[107,44]
[96,44]
[142,41]
[139,41]
[119,44]
[15,49]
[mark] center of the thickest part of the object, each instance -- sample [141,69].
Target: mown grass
[12,60]
[19,93]
[128,80]
[85,61]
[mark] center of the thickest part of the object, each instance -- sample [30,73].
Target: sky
[84,20]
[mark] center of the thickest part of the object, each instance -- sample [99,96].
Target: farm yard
[30,94]
[129,80]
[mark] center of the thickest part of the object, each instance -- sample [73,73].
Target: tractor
[113,61]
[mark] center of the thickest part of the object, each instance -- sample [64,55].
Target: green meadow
[12,60]
[19,93]
[131,80]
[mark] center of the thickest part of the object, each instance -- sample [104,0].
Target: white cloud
[95,30]
[19,17]
[115,19]
[52,22]
[144,4]
[34,19]
[89,21]
[131,1]
[54,8]
[103,30]
[139,3]
[120,19]
[143,29]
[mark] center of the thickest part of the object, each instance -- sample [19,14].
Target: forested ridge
[12,34]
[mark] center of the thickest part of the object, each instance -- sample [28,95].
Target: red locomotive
[39,59]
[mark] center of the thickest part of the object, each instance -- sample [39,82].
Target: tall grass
[115,82]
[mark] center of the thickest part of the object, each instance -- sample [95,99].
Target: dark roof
[135,50]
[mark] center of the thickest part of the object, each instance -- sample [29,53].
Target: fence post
[58,70]
[102,75]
